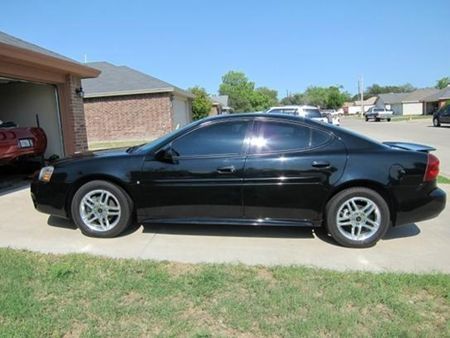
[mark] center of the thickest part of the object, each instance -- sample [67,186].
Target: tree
[201,105]
[239,90]
[443,83]
[376,89]
[270,94]
[325,97]
[242,95]
[295,99]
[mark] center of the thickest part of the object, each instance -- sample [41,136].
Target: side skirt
[234,221]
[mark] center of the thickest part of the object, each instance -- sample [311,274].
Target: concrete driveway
[418,131]
[415,248]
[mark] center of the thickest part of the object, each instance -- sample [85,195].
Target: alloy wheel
[358,218]
[100,210]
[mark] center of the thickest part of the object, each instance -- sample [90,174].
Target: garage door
[27,103]
[180,112]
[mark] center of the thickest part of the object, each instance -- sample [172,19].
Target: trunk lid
[410,146]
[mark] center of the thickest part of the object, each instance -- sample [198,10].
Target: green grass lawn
[79,295]
[411,117]
[443,180]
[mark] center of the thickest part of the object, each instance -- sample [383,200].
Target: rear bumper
[427,208]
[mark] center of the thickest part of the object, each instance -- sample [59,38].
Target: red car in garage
[16,143]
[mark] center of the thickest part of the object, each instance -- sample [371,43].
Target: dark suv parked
[441,116]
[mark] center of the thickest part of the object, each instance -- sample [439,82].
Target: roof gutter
[140,92]
[51,62]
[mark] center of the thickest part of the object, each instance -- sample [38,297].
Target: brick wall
[131,117]
[77,114]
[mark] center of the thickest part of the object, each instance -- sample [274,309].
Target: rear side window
[215,139]
[312,113]
[288,111]
[271,136]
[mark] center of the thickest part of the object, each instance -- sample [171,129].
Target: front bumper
[48,198]
[427,208]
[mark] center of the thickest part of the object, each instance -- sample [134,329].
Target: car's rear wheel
[357,217]
[389,120]
[101,209]
[436,122]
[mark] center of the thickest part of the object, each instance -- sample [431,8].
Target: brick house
[125,104]
[41,87]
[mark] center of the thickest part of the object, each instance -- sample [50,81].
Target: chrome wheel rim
[358,218]
[100,210]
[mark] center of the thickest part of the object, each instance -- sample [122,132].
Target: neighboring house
[352,108]
[220,105]
[40,86]
[125,104]
[412,103]
[437,100]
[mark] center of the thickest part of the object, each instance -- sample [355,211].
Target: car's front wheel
[436,122]
[357,217]
[101,209]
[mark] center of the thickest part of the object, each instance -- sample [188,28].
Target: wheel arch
[94,177]
[376,186]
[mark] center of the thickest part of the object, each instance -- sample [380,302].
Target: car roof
[294,107]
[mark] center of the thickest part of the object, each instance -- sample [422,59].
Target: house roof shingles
[122,80]
[418,95]
[16,42]
[440,95]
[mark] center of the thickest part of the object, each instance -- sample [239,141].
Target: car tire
[357,217]
[377,119]
[436,122]
[367,119]
[389,120]
[101,209]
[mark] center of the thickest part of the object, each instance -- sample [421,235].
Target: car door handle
[226,170]
[320,164]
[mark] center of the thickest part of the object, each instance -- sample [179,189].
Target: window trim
[244,147]
[331,138]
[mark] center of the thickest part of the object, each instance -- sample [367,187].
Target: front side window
[271,136]
[215,139]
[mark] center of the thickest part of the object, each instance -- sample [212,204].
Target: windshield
[312,113]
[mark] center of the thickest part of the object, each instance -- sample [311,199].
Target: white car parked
[310,112]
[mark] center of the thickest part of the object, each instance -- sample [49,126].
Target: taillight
[432,171]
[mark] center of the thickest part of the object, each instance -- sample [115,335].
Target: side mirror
[167,154]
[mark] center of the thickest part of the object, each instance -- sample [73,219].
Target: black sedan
[441,116]
[250,169]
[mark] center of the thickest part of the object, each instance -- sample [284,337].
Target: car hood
[91,155]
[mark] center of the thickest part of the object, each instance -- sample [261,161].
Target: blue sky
[286,45]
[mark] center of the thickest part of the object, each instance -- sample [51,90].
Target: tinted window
[289,111]
[216,139]
[312,113]
[281,136]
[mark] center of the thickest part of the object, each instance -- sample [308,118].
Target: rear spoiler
[410,146]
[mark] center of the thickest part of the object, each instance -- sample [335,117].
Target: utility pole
[361,91]
[85,58]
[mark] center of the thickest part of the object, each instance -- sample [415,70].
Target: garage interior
[40,88]
[29,104]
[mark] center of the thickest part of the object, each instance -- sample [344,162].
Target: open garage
[39,88]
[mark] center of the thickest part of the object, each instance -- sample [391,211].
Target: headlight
[46,174]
